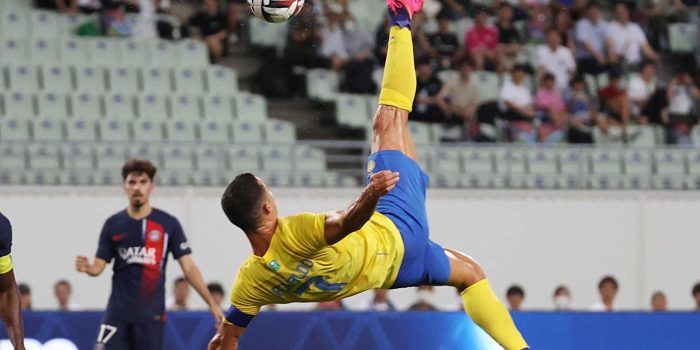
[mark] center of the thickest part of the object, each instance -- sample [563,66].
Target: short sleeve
[177,243]
[305,232]
[242,299]
[5,236]
[639,35]
[104,246]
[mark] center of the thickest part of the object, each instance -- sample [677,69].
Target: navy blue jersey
[140,251]
[5,236]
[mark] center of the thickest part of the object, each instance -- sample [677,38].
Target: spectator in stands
[456,8]
[583,114]
[564,25]
[562,298]
[509,39]
[428,107]
[62,291]
[607,287]
[181,292]
[614,102]
[301,51]
[421,44]
[557,59]
[517,105]
[648,101]
[658,301]
[424,299]
[381,41]
[682,94]
[515,296]
[462,98]
[626,42]
[380,301]
[360,64]
[217,292]
[591,33]
[696,295]
[333,305]
[539,19]
[444,44]
[234,10]
[212,27]
[481,42]
[64,6]
[551,110]
[25,296]
[333,44]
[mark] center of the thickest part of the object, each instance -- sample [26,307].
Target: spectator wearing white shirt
[333,45]
[557,59]
[682,94]
[590,33]
[641,89]
[62,291]
[517,105]
[607,287]
[626,41]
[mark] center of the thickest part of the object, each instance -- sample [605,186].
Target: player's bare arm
[94,269]
[341,223]
[194,277]
[226,337]
[10,309]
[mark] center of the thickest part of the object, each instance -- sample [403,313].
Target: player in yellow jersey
[380,241]
[10,310]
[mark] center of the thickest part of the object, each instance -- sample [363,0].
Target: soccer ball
[275,11]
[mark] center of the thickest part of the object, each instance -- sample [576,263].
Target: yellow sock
[399,84]
[484,308]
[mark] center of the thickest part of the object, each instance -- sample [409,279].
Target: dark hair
[607,279]
[696,289]
[515,290]
[646,63]
[24,289]
[560,289]
[523,68]
[551,30]
[62,282]
[138,166]
[658,293]
[577,79]
[548,76]
[179,280]
[480,9]
[504,4]
[241,201]
[215,287]
[592,4]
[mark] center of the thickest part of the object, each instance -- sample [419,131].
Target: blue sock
[401,18]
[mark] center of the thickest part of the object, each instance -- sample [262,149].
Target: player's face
[138,188]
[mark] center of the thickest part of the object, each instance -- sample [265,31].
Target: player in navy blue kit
[9,294]
[139,240]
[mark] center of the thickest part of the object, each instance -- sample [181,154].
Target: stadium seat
[641,136]
[185,107]
[86,106]
[148,131]
[174,178]
[670,162]
[13,50]
[221,80]
[146,151]
[510,161]
[48,130]
[277,159]
[81,130]
[90,79]
[79,157]
[636,182]
[637,161]
[591,84]
[573,162]
[209,178]
[277,179]
[218,107]
[572,182]
[109,157]
[114,130]
[163,53]
[123,80]
[460,27]
[109,177]
[13,157]
[512,181]
[447,161]
[136,52]
[43,177]
[322,84]
[193,53]
[605,182]
[44,157]
[488,84]
[251,107]
[209,159]
[476,181]
[544,181]
[605,161]
[181,131]
[310,159]
[542,161]
[279,131]
[448,76]
[445,180]
[425,156]
[73,51]
[338,180]
[76,178]
[614,137]
[682,36]
[694,162]
[22,78]
[189,81]
[120,106]
[43,51]
[309,179]
[12,176]
[12,129]
[152,107]
[19,105]
[668,182]
[478,161]
[351,110]
[215,131]
[103,52]
[15,23]
[52,105]
[178,158]
[157,80]
[420,132]
[57,78]
[242,159]
[265,34]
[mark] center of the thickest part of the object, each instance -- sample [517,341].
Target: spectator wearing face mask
[562,298]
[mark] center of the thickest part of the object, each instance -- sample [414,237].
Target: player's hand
[215,342]
[82,264]
[382,182]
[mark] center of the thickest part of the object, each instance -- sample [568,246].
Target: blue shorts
[121,335]
[424,262]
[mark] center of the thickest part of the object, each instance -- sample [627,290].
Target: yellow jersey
[299,266]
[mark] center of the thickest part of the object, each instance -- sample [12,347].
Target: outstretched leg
[480,303]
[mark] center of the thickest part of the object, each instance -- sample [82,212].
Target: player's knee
[465,270]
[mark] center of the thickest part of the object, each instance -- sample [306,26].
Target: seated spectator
[583,114]
[217,293]
[380,301]
[25,297]
[607,287]
[462,99]
[658,301]
[424,299]
[427,106]
[539,19]
[556,59]
[280,76]
[456,8]
[421,44]
[211,26]
[696,296]
[564,25]
[562,299]
[517,105]
[515,296]
[626,42]
[359,66]
[64,6]
[481,42]
[444,44]
[332,44]
[682,94]
[614,102]
[591,33]
[333,305]
[648,101]
[234,10]
[551,110]
[181,292]
[62,291]
[381,41]
[509,39]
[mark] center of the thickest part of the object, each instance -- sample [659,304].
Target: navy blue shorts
[424,262]
[125,335]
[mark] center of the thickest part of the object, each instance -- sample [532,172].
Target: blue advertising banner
[388,330]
